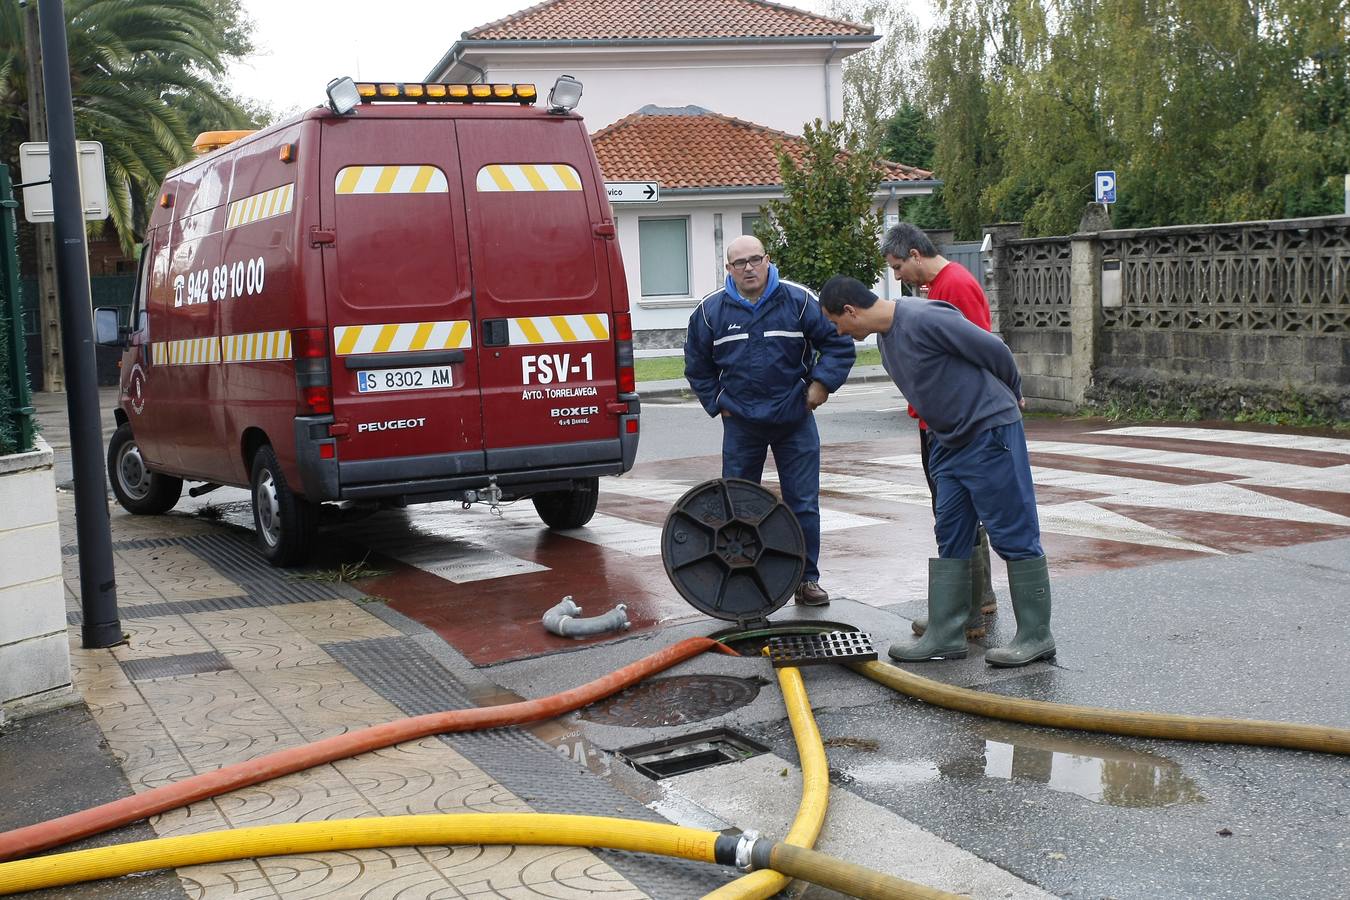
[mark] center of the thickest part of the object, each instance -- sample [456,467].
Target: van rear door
[404,364]
[541,291]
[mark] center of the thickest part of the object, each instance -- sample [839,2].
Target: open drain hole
[690,753]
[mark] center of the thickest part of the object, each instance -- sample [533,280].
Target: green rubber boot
[983,601]
[1029,583]
[948,609]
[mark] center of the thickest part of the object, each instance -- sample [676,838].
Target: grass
[346,572]
[667,368]
[1127,410]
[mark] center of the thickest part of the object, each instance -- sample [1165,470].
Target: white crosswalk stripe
[1083,519]
[671,491]
[1254,471]
[1225,436]
[1225,498]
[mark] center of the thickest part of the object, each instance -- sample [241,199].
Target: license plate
[418,378]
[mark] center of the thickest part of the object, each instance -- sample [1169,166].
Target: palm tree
[134,67]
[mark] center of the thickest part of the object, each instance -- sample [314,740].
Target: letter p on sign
[1105,187]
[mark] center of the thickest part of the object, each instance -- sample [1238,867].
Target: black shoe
[810,593]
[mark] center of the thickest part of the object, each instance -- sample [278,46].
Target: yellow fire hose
[778,862]
[815,791]
[353,834]
[1318,738]
[794,858]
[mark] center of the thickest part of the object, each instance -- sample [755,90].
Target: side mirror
[107,330]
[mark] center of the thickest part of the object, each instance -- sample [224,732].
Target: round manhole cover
[676,700]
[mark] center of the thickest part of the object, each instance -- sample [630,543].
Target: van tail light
[313,380]
[623,352]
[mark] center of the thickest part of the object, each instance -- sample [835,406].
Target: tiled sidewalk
[220,668]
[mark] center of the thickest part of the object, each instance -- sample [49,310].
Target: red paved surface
[882,562]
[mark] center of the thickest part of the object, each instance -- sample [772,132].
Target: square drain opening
[691,752]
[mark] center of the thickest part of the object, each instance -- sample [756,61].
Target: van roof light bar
[442,92]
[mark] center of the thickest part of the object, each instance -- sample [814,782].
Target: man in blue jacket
[964,383]
[761,354]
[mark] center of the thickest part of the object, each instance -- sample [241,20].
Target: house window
[663,250]
[749,222]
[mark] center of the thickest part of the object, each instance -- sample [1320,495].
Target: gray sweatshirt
[960,378]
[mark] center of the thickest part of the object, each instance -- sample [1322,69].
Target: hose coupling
[744,847]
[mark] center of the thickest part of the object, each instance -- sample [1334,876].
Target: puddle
[1099,773]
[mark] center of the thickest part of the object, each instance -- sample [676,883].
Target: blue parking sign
[1105,187]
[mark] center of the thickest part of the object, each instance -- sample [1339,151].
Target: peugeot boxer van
[411,294]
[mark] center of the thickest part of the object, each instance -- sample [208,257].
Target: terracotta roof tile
[580,20]
[690,147]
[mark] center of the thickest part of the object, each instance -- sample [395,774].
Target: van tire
[140,491]
[285,523]
[568,509]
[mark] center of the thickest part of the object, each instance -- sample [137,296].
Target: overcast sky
[304,43]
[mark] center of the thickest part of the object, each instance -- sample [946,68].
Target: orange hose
[98,819]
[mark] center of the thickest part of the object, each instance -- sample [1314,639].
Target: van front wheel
[568,509]
[286,524]
[140,491]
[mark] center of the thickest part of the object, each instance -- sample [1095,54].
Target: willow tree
[1208,110]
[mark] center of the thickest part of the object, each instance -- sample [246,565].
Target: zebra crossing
[1155,489]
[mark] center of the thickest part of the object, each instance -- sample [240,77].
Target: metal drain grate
[174,666]
[830,647]
[678,756]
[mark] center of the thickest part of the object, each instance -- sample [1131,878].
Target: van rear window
[528,177]
[391,180]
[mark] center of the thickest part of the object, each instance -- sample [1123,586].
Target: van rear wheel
[568,509]
[285,523]
[140,491]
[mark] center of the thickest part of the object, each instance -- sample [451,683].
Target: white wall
[34,653]
[781,91]
[706,260]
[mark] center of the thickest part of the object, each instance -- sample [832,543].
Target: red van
[412,294]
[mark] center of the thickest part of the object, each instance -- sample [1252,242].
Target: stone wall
[34,654]
[1214,318]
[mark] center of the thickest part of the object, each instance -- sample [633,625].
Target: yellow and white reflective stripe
[531,177]
[190,352]
[391,180]
[260,345]
[276,202]
[559,329]
[401,337]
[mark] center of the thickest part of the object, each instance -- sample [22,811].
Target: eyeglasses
[740,264]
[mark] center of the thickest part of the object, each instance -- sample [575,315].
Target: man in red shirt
[916,262]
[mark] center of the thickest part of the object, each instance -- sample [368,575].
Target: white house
[695,95]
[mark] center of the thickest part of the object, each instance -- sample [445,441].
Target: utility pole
[49,310]
[98,585]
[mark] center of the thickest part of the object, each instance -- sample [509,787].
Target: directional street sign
[1105,186]
[633,191]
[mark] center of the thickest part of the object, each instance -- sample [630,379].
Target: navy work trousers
[796,453]
[989,481]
